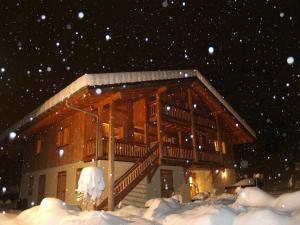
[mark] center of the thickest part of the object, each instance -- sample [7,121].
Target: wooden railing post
[111,156]
[193,127]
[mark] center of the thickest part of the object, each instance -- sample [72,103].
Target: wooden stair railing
[124,184]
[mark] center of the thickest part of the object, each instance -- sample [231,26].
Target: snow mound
[244,182]
[254,197]
[262,217]
[94,218]
[51,204]
[178,198]
[204,215]
[160,206]
[91,182]
[254,207]
[54,211]
[201,196]
[288,202]
[129,211]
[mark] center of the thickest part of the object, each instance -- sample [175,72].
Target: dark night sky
[45,45]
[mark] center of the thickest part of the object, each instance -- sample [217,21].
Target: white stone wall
[152,190]
[51,180]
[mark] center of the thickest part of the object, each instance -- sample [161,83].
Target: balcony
[175,152]
[173,113]
[123,150]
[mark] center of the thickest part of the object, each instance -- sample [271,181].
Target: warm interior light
[191,180]
[224,174]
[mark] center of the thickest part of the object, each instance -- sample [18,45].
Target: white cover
[91,182]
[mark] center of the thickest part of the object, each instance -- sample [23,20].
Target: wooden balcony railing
[90,147]
[152,109]
[136,150]
[210,157]
[205,122]
[176,112]
[185,115]
[181,153]
[180,114]
[126,149]
[176,152]
[122,149]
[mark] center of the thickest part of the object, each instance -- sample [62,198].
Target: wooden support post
[101,149]
[180,142]
[193,127]
[111,156]
[146,125]
[130,126]
[159,126]
[218,133]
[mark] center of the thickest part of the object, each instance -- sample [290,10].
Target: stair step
[140,205]
[134,201]
[140,188]
[137,195]
[136,192]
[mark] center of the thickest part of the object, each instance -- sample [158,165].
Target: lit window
[216,143]
[223,147]
[224,174]
[38,146]
[62,137]
[190,180]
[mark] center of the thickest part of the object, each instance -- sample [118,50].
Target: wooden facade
[173,122]
[185,123]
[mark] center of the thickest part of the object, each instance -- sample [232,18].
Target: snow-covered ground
[251,206]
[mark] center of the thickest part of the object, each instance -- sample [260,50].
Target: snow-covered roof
[104,79]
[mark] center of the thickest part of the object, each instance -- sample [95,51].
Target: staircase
[132,177]
[138,195]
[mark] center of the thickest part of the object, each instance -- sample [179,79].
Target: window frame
[38,146]
[63,137]
[30,185]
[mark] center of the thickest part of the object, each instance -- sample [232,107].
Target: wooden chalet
[157,133]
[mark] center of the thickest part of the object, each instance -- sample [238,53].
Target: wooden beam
[179,132]
[112,98]
[111,156]
[161,90]
[193,125]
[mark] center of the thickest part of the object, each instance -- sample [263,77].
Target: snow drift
[252,207]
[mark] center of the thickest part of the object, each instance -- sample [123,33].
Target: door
[42,186]
[89,136]
[61,185]
[193,184]
[166,183]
